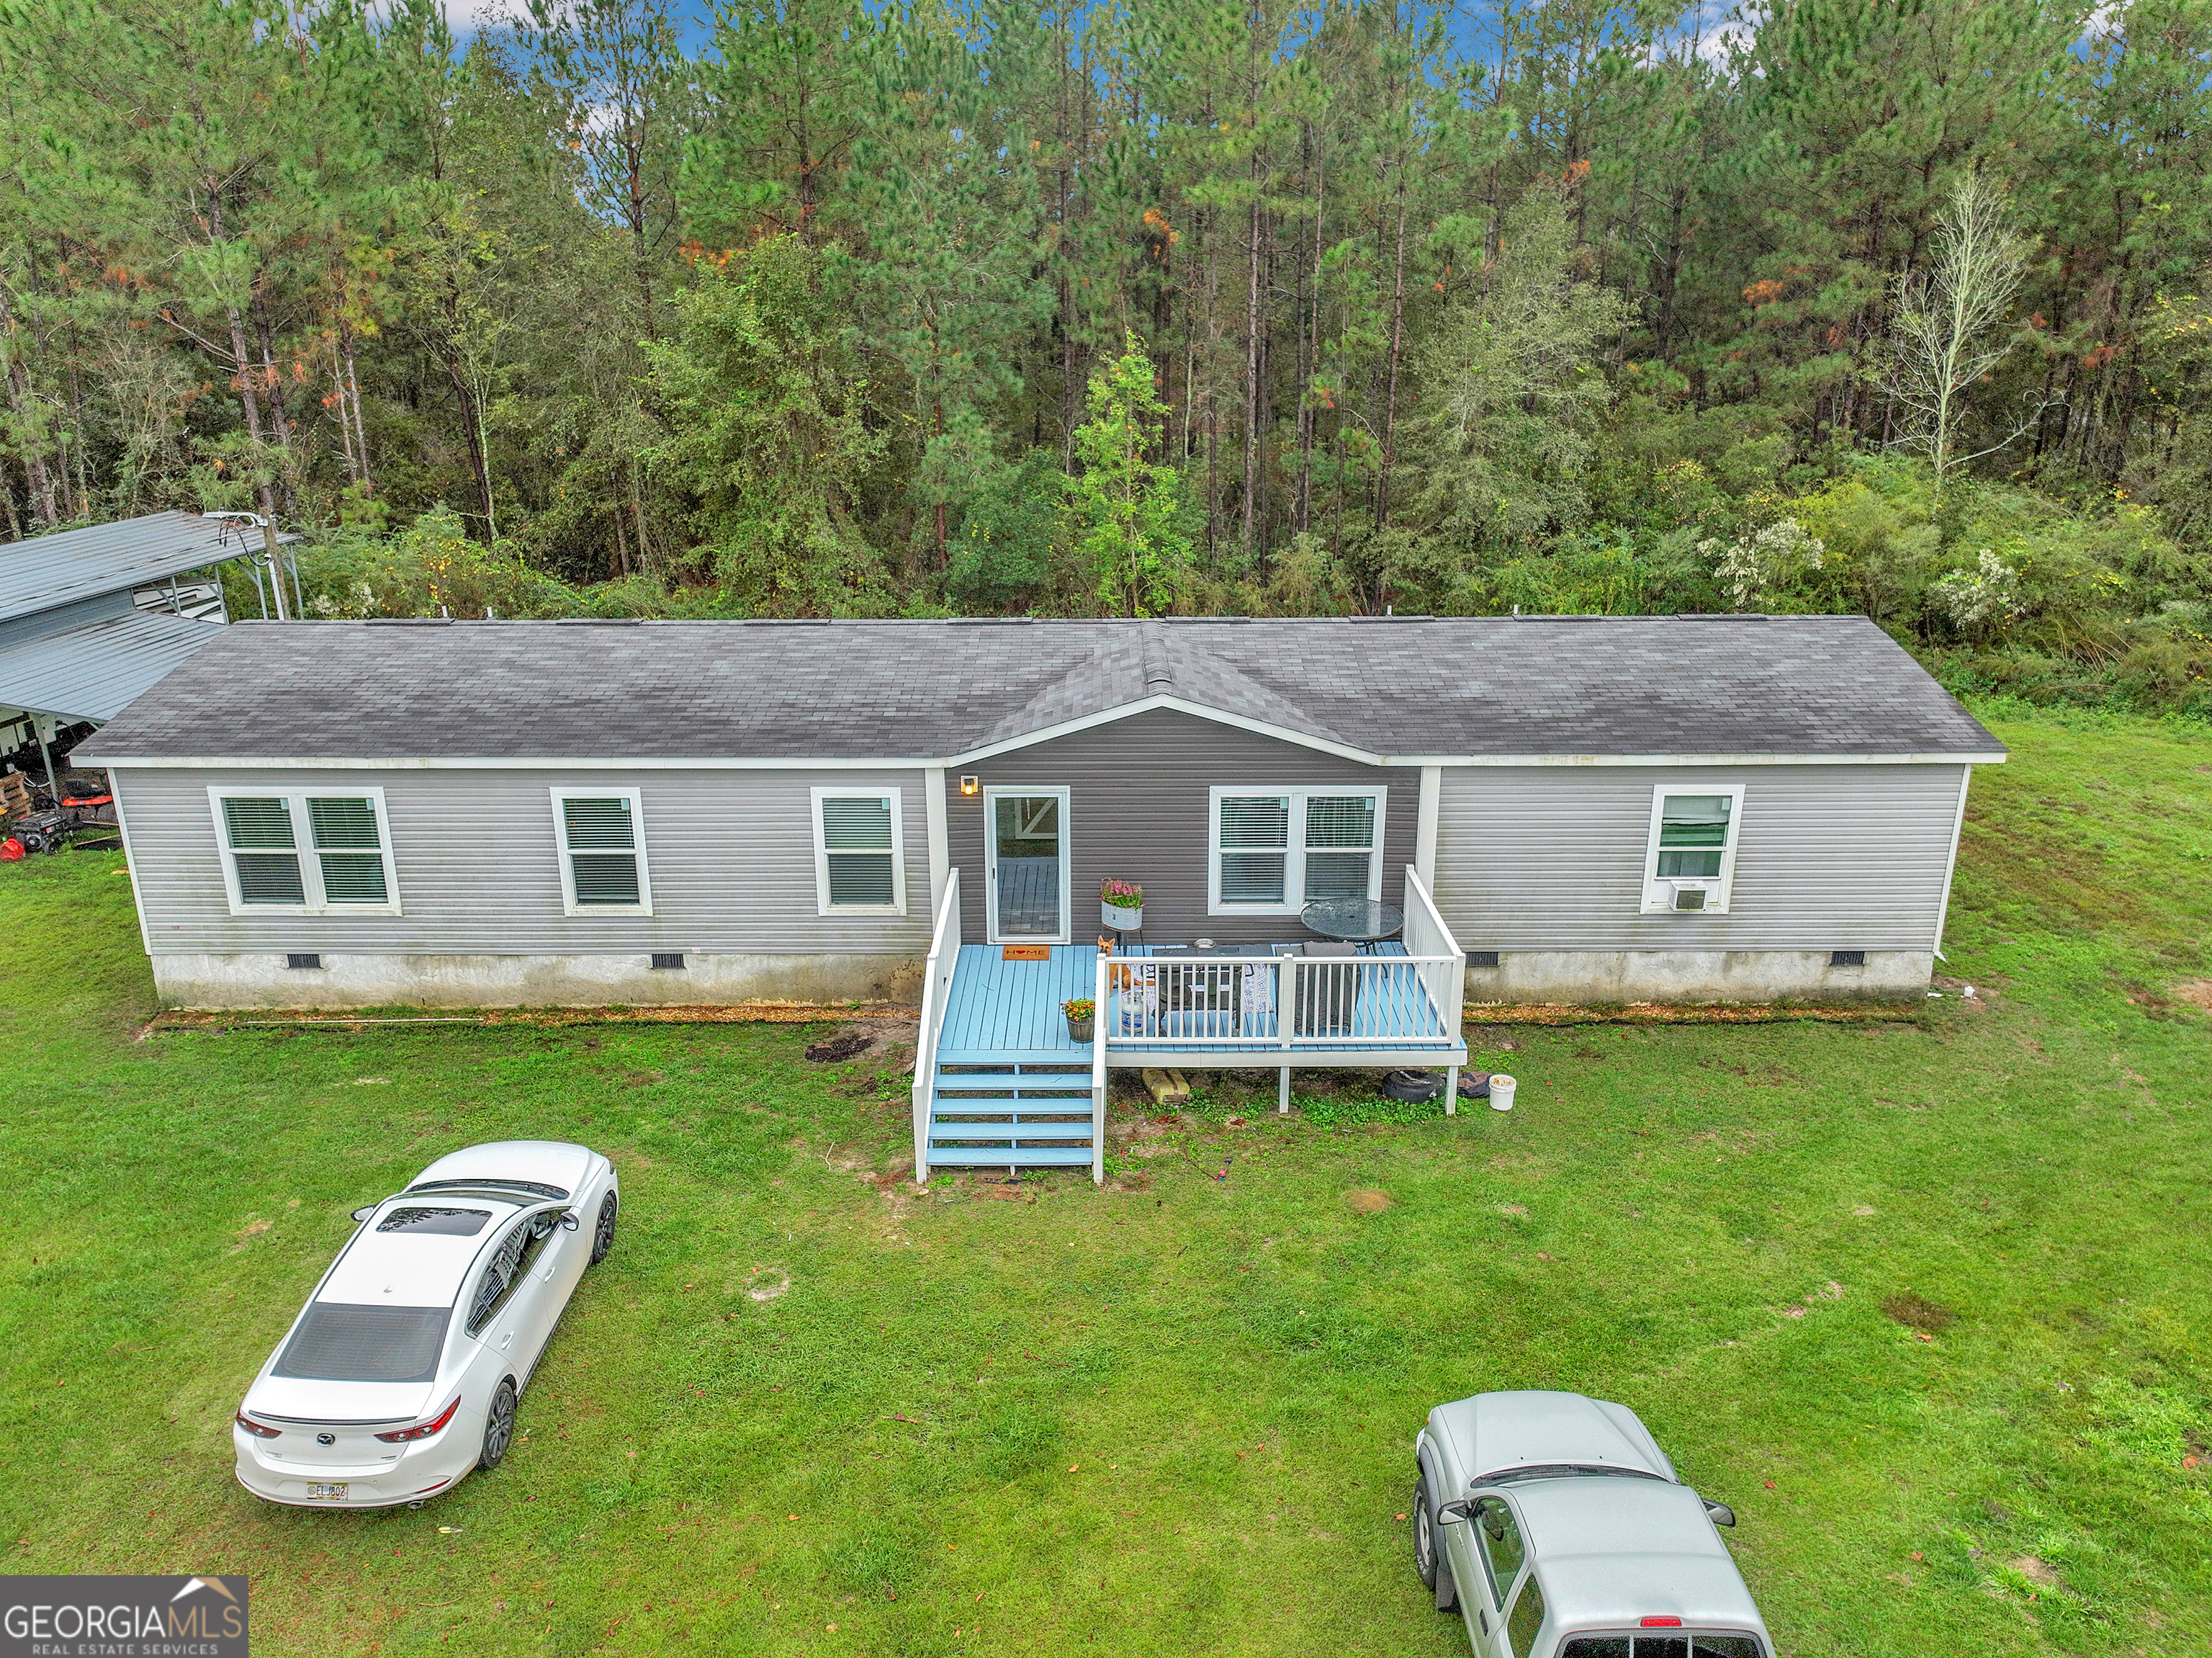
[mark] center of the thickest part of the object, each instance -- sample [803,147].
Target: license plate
[333,1493]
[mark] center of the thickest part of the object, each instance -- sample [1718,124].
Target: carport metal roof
[47,571]
[96,671]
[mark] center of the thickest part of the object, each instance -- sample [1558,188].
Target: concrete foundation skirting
[1621,977]
[531,981]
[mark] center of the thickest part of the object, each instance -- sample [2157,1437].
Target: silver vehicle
[1555,1526]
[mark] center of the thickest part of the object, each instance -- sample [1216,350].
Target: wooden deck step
[942,1129]
[1019,1157]
[1010,1083]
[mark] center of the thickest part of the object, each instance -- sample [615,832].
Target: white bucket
[1501,1092]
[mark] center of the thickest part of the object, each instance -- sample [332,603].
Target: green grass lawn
[803,1410]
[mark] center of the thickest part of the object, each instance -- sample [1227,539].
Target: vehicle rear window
[440,1222]
[336,1342]
[535,1188]
[1669,1645]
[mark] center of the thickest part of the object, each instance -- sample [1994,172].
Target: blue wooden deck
[1005,1012]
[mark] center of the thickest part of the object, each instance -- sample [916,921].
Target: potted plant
[1121,905]
[1082,1016]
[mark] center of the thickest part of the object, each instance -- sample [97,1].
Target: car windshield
[1673,1645]
[1564,1471]
[338,1342]
[439,1223]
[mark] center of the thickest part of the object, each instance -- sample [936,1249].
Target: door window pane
[1527,1617]
[1025,835]
[1497,1537]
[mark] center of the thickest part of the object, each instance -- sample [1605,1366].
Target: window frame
[888,792]
[316,900]
[563,856]
[1719,890]
[1501,1593]
[1294,860]
[1064,794]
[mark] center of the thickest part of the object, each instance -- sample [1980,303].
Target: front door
[1026,864]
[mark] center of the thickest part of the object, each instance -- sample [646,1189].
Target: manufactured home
[1522,809]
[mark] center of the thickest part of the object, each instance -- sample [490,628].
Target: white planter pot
[1501,1092]
[1127,921]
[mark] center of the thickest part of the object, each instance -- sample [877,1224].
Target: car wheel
[499,1428]
[1426,1561]
[603,1233]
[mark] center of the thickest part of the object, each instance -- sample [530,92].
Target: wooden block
[1027,953]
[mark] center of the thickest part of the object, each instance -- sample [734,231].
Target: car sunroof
[437,1222]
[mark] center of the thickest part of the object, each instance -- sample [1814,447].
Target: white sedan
[402,1371]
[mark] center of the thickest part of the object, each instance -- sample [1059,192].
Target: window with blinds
[1254,844]
[305,853]
[1278,851]
[859,864]
[262,850]
[602,843]
[1339,845]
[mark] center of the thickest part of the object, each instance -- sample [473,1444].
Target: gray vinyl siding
[730,855]
[1138,793]
[1828,858]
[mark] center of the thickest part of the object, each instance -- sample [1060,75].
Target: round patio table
[1360,919]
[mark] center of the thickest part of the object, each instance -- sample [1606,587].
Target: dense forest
[1149,306]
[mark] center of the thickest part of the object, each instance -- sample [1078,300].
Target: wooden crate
[15,795]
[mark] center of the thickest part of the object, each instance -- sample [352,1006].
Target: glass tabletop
[1352,919]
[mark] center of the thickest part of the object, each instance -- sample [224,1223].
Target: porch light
[968,784]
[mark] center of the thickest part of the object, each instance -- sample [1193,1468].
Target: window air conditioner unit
[1690,895]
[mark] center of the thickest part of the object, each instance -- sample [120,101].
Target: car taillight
[1662,1622]
[259,1430]
[423,1429]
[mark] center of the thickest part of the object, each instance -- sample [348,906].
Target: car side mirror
[1451,1514]
[571,1221]
[363,1213]
[1720,1513]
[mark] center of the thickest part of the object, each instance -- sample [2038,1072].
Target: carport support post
[1451,1091]
[46,758]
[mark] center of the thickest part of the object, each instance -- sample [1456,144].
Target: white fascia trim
[755,763]
[509,763]
[1477,761]
[1175,704]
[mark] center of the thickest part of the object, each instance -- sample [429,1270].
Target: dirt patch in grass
[843,1045]
[2040,1572]
[2196,993]
[1367,1201]
[1916,1312]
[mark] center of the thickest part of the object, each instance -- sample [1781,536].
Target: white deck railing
[936,992]
[1288,1002]
[1428,939]
[1099,1078]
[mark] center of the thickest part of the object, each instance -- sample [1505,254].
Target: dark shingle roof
[48,571]
[1473,686]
